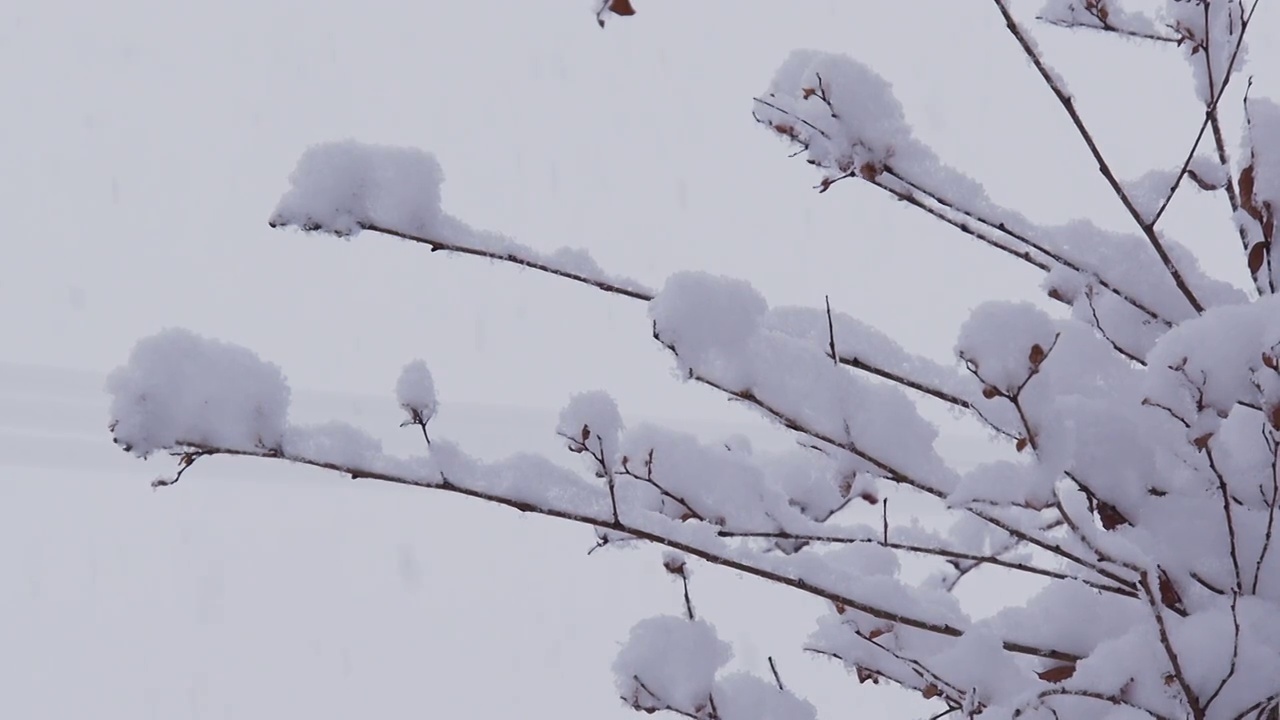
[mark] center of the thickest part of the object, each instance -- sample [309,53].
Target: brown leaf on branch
[1036,356]
[674,565]
[1110,516]
[877,632]
[1058,673]
[1257,257]
[931,691]
[1169,596]
[621,8]
[1246,191]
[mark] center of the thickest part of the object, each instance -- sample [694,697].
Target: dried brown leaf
[1246,191]
[1169,596]
[1257,257]
[621,7]
[1110,516]
[1058,673]
[1036,356]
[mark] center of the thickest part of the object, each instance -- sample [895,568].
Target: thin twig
[1235,651]
[831,332]
[776,677]
[1068,104]
[1226,509]
[694,549]
[1149,592]
[1026,240]
[1109,29]
[507,257]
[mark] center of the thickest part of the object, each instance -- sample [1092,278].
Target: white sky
[146,143]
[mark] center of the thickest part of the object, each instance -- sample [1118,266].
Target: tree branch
[621,526]
[443,246]
[1069,105]
[646,296]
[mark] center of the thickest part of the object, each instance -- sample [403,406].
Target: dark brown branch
[1092,695]
[1153,602]
[776,677]
[831,332]
[618,526]
[853,362]
[1069,105]
[1024,239]
[1097,323]
[932,551]
[1210,119]
[891,473]
[1226,509]
[443,246]
[647,479]
[1274,448]
[1108,28]
[937,393]
[963,226]
[1235,651]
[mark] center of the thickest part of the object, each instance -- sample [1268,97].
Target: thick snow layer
[999,341]
[842,110]
[178,387]
[344,187]
[741,696]
[340,187]
[671,662]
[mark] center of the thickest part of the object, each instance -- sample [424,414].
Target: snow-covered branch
[1142,479]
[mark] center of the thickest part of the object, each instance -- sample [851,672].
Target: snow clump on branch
[182,389]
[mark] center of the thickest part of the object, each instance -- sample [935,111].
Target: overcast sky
[146,143]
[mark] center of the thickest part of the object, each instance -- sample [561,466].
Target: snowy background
[146,144]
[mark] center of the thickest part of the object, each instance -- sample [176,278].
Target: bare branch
[1178,676]
[1226,510]
[1235,651]
[891,473]
[1109,28]
[1092,695]
[620,526]
[939,552]
[443,246]
[1027,241]
[1069,105]
[853,362]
